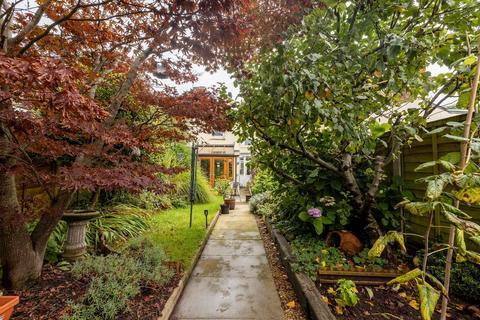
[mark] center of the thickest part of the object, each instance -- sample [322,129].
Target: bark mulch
[389,303]
[50,297]
[291,307]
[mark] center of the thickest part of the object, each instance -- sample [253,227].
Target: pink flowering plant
[317,218]
[325,211]
[314,212]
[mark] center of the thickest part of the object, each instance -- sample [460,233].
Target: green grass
[170,230]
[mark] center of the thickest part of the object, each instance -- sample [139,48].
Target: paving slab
[225,298]
[232,279]
[230,234]
[247,225]
[233,266]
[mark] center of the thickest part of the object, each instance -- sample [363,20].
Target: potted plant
[6,306]
[222,186]
[249,191]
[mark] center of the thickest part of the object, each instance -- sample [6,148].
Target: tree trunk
[21,263]
[362,203]
[21,254]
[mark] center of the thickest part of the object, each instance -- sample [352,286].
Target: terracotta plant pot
[231,203]
[224,208]
[345,241]
[6,306]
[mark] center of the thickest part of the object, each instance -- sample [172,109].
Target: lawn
[170,230]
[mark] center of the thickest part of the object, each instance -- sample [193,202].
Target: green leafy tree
[321,105]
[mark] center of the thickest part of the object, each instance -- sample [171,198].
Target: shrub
[312,254]
[105,298]
[346,293]
[264,181]
[257,200]
[464,279]
[55,243]
[116,226]
[119,224]
[115,279]
[223,188]
[203,194]
[144,200]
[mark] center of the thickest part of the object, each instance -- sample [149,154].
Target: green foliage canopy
[320,106]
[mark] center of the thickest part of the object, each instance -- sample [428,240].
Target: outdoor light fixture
[205,212]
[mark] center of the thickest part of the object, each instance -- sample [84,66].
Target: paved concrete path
[232,279]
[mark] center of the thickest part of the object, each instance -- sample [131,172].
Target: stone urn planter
[6,306]
[77,220]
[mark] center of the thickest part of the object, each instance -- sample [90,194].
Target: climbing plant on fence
[318,106]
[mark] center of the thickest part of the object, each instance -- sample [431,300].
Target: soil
[56,289]
[291,306]
[389,303]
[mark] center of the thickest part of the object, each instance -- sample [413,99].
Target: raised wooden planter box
[360,277]
[307,293]
[6,306]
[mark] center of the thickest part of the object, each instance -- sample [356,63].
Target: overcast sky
[207,79]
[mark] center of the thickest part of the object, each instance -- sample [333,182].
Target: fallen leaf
[403,294]
[369,292]
[291,304]
[370,303]
[338,310]
[331,290]
[459,306]
[325,299]
[414,304]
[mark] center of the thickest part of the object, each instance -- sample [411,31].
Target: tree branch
[283,174]
[307,154]
[31,25]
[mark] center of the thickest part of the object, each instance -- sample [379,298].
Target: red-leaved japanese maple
[81,107]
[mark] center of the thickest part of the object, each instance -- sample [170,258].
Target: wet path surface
[232,279]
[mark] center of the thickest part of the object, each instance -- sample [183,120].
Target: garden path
[232,279]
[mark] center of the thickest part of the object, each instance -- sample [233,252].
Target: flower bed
[53,295]
[373,301]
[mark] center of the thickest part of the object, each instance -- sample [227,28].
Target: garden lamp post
[193,178]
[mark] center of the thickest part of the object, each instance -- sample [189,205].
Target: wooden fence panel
[431,148]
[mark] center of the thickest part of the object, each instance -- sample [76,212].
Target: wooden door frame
[226,160]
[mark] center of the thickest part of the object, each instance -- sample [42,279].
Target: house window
[247,166]
[242,166]
[216,133]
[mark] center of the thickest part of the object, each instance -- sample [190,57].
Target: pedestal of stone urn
[75,245]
